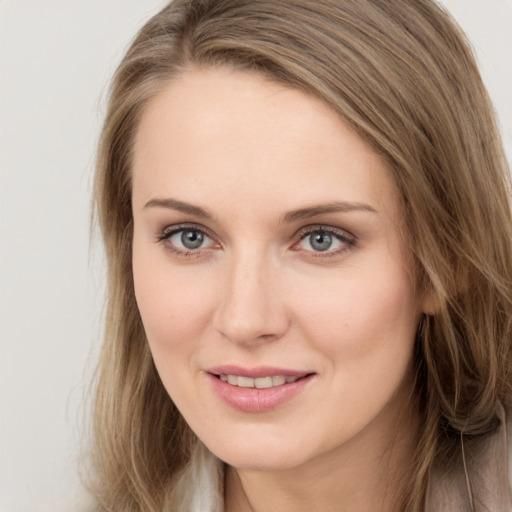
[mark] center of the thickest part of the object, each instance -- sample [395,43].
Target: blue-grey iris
[192,239]
[320,241]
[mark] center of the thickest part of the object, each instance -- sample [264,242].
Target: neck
[370,472]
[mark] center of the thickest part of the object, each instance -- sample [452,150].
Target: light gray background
[56,57]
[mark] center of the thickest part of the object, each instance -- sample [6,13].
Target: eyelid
[343,233]
[171,230]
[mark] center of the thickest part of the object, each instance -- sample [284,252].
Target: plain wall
[56,58]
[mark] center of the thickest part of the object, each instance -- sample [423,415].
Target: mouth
[259,389]
[271,381]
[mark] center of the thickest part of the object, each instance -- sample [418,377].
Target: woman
[305,207]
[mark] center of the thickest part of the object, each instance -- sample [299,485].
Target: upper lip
[256,372]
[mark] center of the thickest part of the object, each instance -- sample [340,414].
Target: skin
[257,292]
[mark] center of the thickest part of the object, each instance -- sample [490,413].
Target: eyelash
[342,236]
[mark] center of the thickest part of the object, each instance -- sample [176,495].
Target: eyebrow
[334,207]
[179,206]
[287,218]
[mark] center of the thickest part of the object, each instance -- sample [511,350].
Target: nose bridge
[251,308]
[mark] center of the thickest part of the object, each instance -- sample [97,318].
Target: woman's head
[402,79]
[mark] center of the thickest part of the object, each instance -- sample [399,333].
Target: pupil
[191,239]
[321,241]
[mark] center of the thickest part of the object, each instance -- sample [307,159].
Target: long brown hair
[401,73]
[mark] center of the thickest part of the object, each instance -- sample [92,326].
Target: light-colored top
[488,474]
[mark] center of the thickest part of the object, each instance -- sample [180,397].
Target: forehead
[212,133]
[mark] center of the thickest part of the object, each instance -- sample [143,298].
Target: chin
[259,456]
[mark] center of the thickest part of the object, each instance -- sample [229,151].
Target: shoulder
[487,473]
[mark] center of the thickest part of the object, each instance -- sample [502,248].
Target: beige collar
[487,477]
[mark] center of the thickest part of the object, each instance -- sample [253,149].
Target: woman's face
[272,281]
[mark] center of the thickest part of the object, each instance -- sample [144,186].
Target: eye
[329,241]
[189,239]
[186,239]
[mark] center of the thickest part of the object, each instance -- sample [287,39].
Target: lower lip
[257,400]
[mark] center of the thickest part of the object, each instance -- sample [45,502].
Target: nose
[251,308]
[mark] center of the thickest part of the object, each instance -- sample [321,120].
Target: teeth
[245,382]
[263,382]
[278,380]
[259,382]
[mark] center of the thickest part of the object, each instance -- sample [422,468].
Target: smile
[259,382]
[258,390]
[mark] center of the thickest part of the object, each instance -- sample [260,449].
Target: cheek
[365,329]
[174,303]
[361,316]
